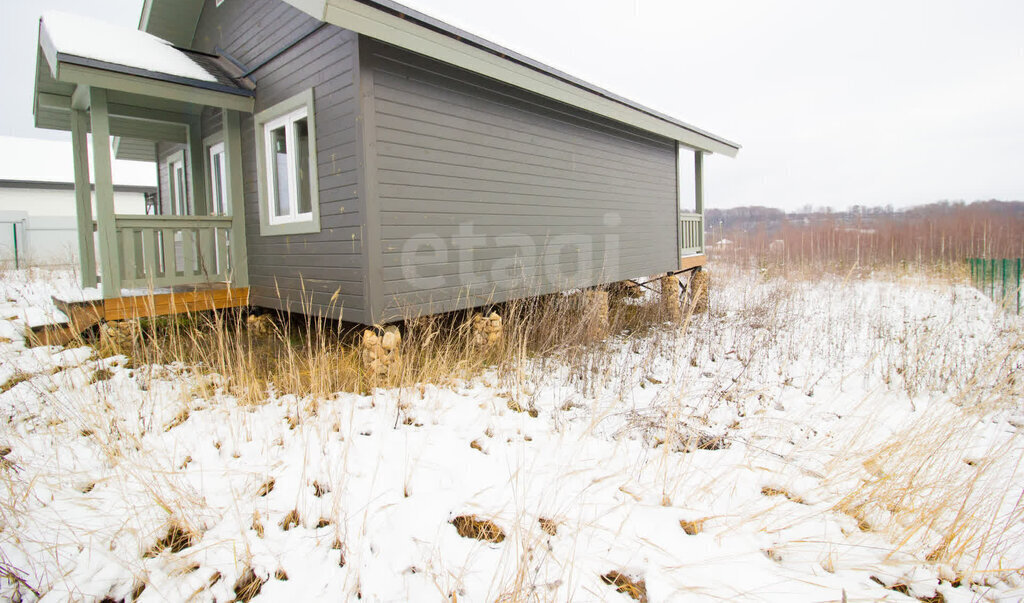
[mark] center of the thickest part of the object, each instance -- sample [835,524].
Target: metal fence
[998,279]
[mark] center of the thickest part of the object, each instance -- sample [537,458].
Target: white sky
[835,102]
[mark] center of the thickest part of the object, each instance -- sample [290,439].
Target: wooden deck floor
[692,261]
[83,314]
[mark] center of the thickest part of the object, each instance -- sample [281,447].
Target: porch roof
[153,86]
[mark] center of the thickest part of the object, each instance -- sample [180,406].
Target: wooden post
[83,198]
[236,199]
[698,173]
[110,264]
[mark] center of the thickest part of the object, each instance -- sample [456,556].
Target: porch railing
[691,234]
[164,251]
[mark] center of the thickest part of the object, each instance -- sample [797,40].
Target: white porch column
[83,199]
[110,265]
[236,198]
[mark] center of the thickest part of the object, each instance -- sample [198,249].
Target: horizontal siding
[322,272]
[488,193]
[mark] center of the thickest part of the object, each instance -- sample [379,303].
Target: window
[177,181]
[218,180]
[286,158]
[287,140]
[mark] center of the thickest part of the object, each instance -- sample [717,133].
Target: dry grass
[636,589]
[921,492]
[257,357]
[470,526]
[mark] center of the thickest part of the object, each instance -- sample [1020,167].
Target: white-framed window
[218,180]
[286,162]
[288,185]
[178,184]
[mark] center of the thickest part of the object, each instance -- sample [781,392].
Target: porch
[691,224]
[192,243]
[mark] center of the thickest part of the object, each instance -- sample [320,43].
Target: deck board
[83,314]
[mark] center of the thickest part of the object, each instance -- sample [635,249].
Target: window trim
[173,189]
[214,145]
[287,111]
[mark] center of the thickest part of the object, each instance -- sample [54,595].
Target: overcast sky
[835,102]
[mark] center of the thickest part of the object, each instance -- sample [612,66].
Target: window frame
[214,146]
[287,113]
[176,201]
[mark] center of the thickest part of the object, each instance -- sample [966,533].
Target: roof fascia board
[185,28]
[375,23]
[313,8]
[49,50]
[154,75]
[112,80]
[147,10]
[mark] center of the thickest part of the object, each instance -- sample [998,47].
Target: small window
[218,181]
[289,199]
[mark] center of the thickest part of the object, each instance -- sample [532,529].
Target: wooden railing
[164,251]
[691,234]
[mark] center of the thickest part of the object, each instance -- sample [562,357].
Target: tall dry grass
[258,356]
[936,237]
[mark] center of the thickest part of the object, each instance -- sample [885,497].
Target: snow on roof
[92,39]
[32,160]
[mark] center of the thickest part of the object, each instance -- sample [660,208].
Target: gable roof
[396,24]
[63,33]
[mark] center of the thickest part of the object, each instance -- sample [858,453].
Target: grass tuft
[470,526]
[635,588]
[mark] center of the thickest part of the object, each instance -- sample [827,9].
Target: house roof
[91,39]
[33,161]
[402,26]
[86,42]
[153,88]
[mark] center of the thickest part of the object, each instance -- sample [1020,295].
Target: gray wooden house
[359,159]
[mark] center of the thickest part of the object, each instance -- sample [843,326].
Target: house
[37,199]
[361,160]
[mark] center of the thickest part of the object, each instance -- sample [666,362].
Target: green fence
[998,279]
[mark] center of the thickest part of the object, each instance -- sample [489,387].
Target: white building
[37,199]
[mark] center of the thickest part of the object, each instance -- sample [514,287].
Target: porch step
[81,316]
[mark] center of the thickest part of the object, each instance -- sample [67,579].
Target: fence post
[1018,286]
[1002,268]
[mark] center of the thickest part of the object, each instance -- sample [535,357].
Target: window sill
[290,228]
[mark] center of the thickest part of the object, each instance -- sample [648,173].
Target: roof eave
[395,24]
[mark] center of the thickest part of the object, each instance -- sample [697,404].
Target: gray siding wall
[317,273]
[487,193]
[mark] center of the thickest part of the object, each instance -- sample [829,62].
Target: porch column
[83,199]
[110,265]
[197,166]
[236,198]
[698,179]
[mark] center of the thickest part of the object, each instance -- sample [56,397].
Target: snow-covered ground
[804,441]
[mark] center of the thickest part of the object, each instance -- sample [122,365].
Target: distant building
[37,199]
